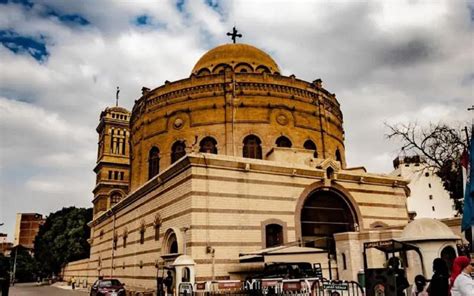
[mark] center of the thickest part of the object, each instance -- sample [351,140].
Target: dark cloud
[410,52]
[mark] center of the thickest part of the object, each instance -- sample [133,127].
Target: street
[31,289]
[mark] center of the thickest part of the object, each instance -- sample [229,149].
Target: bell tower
[113,158]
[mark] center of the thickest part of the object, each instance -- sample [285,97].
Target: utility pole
[14,265]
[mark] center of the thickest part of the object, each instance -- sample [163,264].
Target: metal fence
[280,287]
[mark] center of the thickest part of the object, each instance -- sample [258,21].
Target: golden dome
[240,57]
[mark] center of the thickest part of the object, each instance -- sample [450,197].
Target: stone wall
[228,107]
[217,207]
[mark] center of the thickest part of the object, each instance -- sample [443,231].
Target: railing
[280,287]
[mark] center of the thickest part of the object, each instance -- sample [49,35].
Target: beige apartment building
[26,227]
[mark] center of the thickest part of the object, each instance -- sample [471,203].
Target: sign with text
[336,286]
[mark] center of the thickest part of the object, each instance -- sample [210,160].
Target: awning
[390,246]
[259,255]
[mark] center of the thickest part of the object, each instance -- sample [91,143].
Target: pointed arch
[310,145]
[153,162]
[283,141]
[338,155]
[203,72]
[252,147]
[262,69]
[208,145]
[178,150]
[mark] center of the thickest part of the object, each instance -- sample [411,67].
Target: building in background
[26,228]
[428,198]
[5,246]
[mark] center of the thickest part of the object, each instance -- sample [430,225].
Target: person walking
[73,283]
[439,284]
[462,283]
[400,279]
[419,288]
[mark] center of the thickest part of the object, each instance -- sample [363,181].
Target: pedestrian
[73,283]
[400,279]
[168,281]
[419,288]
[462,283]
[439,284]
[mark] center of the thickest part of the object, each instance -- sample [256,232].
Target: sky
[61,61]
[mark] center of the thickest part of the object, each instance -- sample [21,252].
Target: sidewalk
[65,286]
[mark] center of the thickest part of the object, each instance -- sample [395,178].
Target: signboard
[269,283]
[230,285]
[200,286]
[336,286]
[378,244]
[292,286]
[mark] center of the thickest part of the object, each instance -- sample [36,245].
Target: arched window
[338,155]
[220,69]
[208,145]
[448,254]
[324,214]
[273,235]
[203,71]
[330,173]
[262,69]
[172,244]
[252,147]
[153,162]
[115,198]
[178,150]
[243,68]
[186,274]
[309,145]
[283,142]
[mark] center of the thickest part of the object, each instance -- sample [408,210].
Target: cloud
[386,61]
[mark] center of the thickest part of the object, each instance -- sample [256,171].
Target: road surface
[31,289]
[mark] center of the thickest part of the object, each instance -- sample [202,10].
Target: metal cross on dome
[234,34]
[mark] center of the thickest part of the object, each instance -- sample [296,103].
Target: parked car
[108,287]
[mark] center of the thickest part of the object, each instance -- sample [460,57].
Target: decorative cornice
[247,84]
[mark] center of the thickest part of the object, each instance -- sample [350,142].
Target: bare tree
[441,146]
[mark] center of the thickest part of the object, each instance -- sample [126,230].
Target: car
[108,287]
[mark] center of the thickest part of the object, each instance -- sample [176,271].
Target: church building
[233,159]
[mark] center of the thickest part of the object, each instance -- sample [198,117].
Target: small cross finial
[117,97]
[234,34]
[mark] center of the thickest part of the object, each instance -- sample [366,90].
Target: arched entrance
[324,213]
[448,254]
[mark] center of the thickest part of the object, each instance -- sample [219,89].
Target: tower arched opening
[252,147]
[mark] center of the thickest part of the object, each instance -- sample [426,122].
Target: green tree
[441,146]
[62,239]
[26,267]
